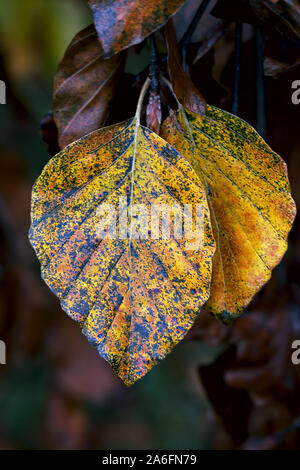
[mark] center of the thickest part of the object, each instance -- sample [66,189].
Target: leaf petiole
[141,99]
[170,86]
[180,109]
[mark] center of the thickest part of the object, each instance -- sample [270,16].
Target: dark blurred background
[222,387]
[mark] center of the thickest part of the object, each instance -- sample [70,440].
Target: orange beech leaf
[134,295]
[248,192]
[123,23]
[83,87]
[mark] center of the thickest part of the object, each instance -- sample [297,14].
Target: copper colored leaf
[284,15]
[184,88]
[83,87]
[122,23]
[273,67]
[249,199]
[133,298]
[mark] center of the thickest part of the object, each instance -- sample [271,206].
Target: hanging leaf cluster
[135,297]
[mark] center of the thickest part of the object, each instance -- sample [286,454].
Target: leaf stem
[260,92]
[185,40]
[238,40]
[141,99]
[153,65]
[169,85]
[180,109]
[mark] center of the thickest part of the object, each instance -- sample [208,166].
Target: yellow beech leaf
[134,295]
[248,192]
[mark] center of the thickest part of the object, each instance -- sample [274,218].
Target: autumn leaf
[273,67]
[282,15]
[83,87]
[134,298]
[123,23]
[249,198]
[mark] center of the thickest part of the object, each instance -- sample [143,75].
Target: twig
[191,29]
[236,86]
[169,85]
[153,65]
[140,101]
[260,92]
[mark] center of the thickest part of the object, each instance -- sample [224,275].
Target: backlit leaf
[249,199]
[133,298]
[83,87]
[122,23]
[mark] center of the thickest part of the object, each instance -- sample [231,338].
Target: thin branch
[260,92]
[191,29]
[169,85]
[236,86]
[141,99]
[153,65]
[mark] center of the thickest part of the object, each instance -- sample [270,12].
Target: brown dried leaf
[284,15]
[83,87]
[273,67]
[122,23]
